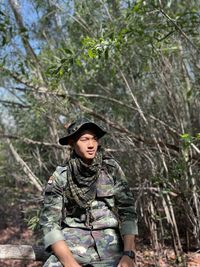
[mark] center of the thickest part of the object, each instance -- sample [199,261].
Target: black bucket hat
[79,125]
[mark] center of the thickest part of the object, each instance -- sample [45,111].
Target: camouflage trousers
[98,248]
[53,262]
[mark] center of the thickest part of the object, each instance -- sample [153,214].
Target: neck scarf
[82,179]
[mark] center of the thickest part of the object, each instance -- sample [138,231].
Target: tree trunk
[23,252]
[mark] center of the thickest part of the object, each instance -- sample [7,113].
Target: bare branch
[122,129]
[21,79]
[33,178]
[179,29]
[12,103]
[15,8]
[16,96]
[79,22]
[133,97]
[29,141]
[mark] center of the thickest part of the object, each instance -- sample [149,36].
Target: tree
[132,65]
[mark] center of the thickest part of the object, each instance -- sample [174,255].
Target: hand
[126,261]
[63,253]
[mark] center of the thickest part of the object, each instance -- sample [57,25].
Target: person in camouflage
[88,216]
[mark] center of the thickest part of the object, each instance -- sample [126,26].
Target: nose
[90,143]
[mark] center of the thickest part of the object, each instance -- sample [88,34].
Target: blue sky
[15,49]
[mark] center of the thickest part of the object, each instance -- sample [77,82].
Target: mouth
[91,152]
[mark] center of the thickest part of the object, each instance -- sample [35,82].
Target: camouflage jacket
[112,208]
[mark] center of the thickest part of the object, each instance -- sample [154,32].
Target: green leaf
[137,6]
[91,54]
[185,136]
[189,93]
[63,60]
[106,53]
[67,51]
[78,62]
[198,136]
[61,72]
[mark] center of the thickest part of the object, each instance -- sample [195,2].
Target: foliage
[131,65]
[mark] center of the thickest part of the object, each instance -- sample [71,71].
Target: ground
[14,230]
[15,201]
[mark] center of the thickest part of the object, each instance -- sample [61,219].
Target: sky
[10,52]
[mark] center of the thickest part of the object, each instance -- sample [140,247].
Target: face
[86,146]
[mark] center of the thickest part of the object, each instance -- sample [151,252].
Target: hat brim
[86,126]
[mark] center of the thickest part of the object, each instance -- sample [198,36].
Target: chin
[90,157]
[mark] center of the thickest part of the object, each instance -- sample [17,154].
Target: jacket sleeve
[125,204]
[51,212]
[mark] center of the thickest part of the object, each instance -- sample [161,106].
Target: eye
[83,139]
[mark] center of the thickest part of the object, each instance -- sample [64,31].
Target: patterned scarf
[82,179]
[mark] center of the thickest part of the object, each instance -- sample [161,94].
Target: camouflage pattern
[93,235]
[83,245]
[53,262]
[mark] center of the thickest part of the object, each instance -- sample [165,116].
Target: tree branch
[33,178]
[122,129]
[29,141]
[23,31]
[178,28]
[12,103]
